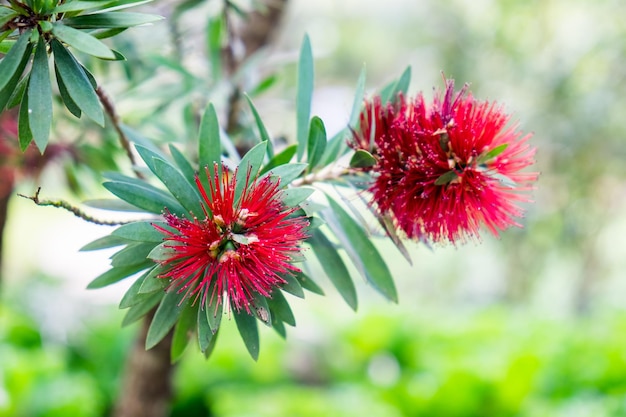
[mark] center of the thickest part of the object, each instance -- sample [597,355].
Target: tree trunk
[147,388]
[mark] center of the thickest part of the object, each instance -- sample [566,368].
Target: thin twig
[109,108]
[67,206]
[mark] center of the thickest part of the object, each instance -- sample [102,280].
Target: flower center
[232,237]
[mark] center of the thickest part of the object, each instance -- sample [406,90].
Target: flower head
[240,249]
[445,169]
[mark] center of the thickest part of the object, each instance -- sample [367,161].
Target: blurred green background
[531,324]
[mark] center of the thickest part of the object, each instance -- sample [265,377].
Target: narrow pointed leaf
[144,197]
[362,159]
[357,104]
[446,178]
[304,94]
[15,87]
[361,250]
[293,196]
[153,282]
[142,308]
[261,127]
[390,92]
[213,311]
[334,267]
[65,95]
[166,316]
[249,331]
[105,242]
[133,254]
[210,150]
[183,332]
[279,306]
[308,284]
[132,296]
[205,334]
[180,188]
[183,164]
[249,167]
[13,59]
[23,129]
[292,286]
[77,83]
[40,97]
[316,144]
[114,275]
[282,158]
[82,41]
[287,173]
[111,20]
[140,231]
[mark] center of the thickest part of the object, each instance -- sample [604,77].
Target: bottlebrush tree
[226,232]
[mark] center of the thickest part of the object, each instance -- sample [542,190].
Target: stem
[75,210]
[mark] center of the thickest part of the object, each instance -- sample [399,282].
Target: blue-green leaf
[282,158]
[77,83]
[183,332]
[287,173]
[40,97]
[390,92]
[261,127]
[166,316]
[13,59]
[249,331]
[114,275]
[142,308]
[333,266]
[82,41]
[142,231]
[249,167]
[24,134]
[105,242]
[180,188]
[304,94]
[293,196]
[133,254]
[361,250]
[210,150]
[144,197]
[183,164]
[279,307]
[308,284]
[110,20]
[316,144]
[205,334]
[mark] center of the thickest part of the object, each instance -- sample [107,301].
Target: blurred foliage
[490,362]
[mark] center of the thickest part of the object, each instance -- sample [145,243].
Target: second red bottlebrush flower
[446,169]
[240,249]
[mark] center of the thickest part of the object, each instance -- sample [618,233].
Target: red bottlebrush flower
[374,121]
[240,249]
[446,169]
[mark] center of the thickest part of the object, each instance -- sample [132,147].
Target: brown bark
[147,387]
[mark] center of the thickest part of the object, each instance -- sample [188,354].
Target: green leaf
[153,282]
[280,309]
[333,266]
[140,309]
[13,59]
[132,296]
[446,178]
[261,127]
[144,197]
[390,92]
[6,15]
[105,242]
[77,83]
[149,156]
[249,167]
[65,95]
[183,164]
[114,275]
[101,5]
[183,333]
[210,149]
[361,250]
[23,128]
[213,310]
[162,252]
[293,196]
[287,173]
[143,231]
[40,97]
[111,20]
[249,331]
[487,156]
[180,188]
[282,158]
[82,41]
[308,284]
[357,104]
[13,91]
[166,316]
[215,35]
[261,309]
[316,144]
[362,159]
[292,286]
[279,326]
[304,94]
[133,254]
[205,334]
